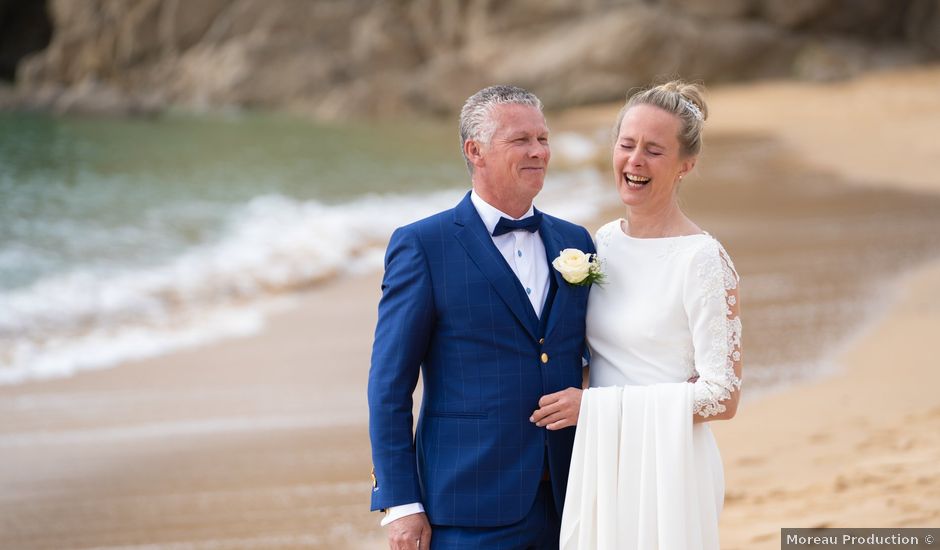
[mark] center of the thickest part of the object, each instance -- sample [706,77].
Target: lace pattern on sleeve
[603,235]
[717,378]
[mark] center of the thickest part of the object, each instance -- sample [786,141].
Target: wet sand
[262,442]
[860,449]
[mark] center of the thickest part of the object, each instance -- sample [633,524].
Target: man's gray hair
[476,121]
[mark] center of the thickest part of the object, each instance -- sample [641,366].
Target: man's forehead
[519,117]
[516,109]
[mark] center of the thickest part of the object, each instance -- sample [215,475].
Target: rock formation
[362,58]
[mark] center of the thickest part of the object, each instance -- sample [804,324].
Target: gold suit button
[541,341]
[545,358]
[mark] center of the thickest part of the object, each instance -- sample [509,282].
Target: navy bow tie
[530,224]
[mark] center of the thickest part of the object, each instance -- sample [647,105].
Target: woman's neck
[668,222]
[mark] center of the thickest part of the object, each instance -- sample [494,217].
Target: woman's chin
[632,197]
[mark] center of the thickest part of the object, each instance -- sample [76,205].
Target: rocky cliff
[358,58]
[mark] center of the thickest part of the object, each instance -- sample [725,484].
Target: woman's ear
[687,166]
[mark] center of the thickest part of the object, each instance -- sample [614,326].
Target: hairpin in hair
[693,108]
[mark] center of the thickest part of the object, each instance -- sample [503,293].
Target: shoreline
[258,469]
[857,448]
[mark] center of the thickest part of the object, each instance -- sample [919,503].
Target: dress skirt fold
[642,475]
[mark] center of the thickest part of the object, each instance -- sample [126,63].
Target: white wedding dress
[643,476]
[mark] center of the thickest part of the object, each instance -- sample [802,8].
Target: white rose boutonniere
[578,268]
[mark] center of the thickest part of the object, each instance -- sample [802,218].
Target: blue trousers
[538,530]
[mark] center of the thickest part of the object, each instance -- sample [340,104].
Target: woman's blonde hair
[684,100]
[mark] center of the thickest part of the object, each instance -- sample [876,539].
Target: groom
[470,300]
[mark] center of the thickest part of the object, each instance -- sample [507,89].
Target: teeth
[637,179]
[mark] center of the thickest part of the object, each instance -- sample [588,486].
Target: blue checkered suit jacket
[453,309]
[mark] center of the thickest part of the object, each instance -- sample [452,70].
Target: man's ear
[474,152]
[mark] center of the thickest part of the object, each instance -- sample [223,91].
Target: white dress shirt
[525,254]
[523,251]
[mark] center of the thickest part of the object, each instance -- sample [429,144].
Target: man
[470,300]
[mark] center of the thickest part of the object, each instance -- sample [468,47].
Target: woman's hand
[558,410]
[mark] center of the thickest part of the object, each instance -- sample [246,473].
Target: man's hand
[558,410]
[410,533]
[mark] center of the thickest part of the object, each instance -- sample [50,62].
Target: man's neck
[516,209]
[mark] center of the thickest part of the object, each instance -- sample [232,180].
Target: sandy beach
[861,447]
[857,449]
[831,207]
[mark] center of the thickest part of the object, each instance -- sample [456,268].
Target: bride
[665,341]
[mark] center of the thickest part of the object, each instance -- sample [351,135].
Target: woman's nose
[635,158]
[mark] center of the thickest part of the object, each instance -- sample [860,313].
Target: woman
[665,341]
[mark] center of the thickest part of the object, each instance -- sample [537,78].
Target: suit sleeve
[402,333]
[589,248]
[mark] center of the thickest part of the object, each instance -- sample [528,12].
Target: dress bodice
[664,314]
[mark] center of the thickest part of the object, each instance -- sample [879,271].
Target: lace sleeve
[603,235]
[711,302]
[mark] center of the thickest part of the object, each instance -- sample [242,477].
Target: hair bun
[691,92]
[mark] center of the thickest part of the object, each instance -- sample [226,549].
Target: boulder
[363,58]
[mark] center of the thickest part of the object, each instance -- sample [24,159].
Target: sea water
[127,238]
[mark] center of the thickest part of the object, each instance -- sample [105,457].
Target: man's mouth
[634,181]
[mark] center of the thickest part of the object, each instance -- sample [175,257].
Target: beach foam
[271,247]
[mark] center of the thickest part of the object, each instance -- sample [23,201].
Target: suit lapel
[553,246]
[472,235]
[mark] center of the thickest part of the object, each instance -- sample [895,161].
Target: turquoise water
[114,193]
[128,238]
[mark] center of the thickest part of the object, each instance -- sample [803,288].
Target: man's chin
[536,187]
[534,179]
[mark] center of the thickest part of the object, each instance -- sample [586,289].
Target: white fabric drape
[642,475]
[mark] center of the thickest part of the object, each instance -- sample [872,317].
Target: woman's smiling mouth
[635,181]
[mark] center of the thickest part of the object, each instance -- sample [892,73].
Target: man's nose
[538,150]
